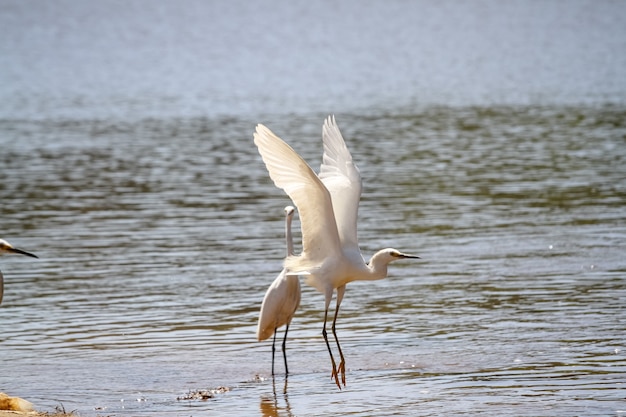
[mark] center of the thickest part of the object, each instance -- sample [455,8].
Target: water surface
[155,254]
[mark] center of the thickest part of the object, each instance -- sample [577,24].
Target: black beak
[22,252]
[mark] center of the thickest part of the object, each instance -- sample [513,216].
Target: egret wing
[320,239]
[279,304]
[342,179]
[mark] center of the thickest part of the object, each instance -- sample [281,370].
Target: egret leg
[285,349]
[273,351]
[330,352]
[342,364]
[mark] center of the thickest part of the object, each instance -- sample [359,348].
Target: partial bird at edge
[6,247]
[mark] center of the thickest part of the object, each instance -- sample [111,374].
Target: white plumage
[328,208]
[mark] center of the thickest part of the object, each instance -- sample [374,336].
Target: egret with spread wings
[328,208]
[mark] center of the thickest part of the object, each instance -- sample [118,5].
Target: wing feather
[342,179]
[279,304]
[320,239]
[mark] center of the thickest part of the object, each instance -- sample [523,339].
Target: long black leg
[285,349]
[273,351]
[330,352]
[342,364]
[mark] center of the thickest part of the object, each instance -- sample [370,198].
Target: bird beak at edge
[22,252]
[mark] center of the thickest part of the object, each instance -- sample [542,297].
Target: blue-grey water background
[491,137]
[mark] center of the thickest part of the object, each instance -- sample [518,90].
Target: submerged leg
[329,295]
[285,349]
[342,364]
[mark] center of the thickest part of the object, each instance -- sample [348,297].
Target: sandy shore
[16,406]
[4,413]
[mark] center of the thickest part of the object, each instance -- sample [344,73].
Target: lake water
[492,142]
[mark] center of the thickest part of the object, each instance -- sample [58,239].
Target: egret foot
[335,375]
[342,369]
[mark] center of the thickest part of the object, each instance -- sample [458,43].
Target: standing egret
[328,206]
[6,247]
[281,299]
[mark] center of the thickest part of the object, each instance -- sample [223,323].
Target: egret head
[394,255]
[386,256]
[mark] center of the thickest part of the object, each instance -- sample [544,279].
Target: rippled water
[158,239]
[491,138]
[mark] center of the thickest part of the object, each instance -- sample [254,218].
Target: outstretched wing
[342,179]
[290,172]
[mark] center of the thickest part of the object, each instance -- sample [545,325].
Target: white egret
[6,247]
[328,207]
[281,299]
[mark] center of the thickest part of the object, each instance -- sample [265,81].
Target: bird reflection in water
[270,404]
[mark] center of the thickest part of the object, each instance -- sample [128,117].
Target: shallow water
[131,173]
[153,266]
